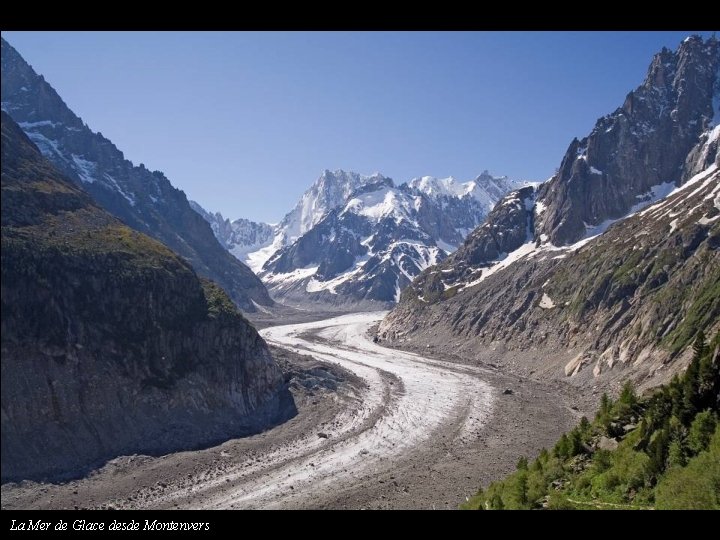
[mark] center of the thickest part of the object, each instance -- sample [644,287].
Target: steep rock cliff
[111,344]
[606,271]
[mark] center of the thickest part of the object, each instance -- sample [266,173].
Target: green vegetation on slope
[662,451]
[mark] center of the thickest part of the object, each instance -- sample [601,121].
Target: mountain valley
[387,344]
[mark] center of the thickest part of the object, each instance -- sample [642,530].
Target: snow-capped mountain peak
[329,191]
[381,199]
[439,187]
[358,238]
[255,243]
[380,238]
[485,189]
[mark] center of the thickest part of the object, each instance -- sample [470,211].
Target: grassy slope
[667,453]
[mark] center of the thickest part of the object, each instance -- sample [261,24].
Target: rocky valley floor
[375,428]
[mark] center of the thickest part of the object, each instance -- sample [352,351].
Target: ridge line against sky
[244,122]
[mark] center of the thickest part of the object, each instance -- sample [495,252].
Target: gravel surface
[375,428]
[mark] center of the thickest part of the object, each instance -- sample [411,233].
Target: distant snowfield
[411,398]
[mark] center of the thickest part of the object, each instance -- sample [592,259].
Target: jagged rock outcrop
[506,229]
[144,200]
[508,226]
[111,344]
[641,145]
[641,275]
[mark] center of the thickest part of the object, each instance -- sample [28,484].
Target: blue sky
[244,122]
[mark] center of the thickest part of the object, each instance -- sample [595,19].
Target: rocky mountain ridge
[370,247]
[241,237]
[640,146]
[144,200]
[607,269]
[111,344]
